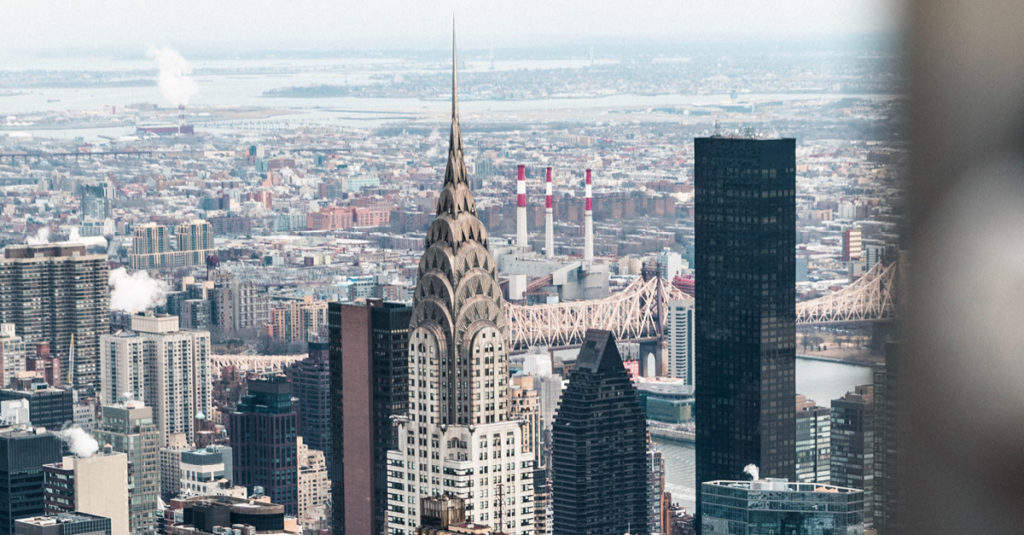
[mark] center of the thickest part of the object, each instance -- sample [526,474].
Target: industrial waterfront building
[744,233]
[775,506]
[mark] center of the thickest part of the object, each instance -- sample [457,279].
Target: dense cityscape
[502,291]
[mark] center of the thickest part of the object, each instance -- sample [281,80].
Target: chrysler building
[457,437]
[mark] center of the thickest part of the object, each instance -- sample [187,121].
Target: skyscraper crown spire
[456,171]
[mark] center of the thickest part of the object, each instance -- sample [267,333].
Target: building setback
[744,234]
[55,293]
[599,464]
[369,342]
[263,436]
[63,524]
[22,456]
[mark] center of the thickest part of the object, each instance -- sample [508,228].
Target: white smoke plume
[79,441]
[751,469]
[42,237]
[174,81]
[136,292]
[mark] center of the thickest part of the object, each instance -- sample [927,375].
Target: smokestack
[549,219]
[588,224]
[181,117]
[521,206]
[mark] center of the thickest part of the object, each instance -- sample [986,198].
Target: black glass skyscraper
[599,459]
[745,240]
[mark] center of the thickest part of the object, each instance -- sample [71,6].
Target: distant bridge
[638,313]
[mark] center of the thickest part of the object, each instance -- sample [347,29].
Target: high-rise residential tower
[166,368]
[128,427]
[745,262]
[457,436]
[599,464]
[57,293]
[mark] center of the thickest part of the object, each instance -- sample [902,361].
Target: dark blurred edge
[961,386]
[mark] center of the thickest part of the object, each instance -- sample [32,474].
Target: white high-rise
[168,369]
[457,437]
[679,337]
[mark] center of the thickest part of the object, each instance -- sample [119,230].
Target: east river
[818,380]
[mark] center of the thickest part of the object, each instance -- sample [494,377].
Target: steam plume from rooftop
[174,81]
[79,441]
[753,471]
[136,292]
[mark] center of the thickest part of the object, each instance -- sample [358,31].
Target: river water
[818,380]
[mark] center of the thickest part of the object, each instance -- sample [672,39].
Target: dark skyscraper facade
[745,241]
[311,383]
[599,461]
[22,456]
[369,341]
[263,431]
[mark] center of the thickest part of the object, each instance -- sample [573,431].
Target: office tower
[170,465]
[166,368]
[94,200]
[50,408]
[12,353]
[369,367]
[886,501]
[209,515]
[457,424]
[128,427]
[22,456]
[97,485]
[524,398]
[851,244]
[63,524]
[194,241]
[745,313]
[208,472]
[813,429]
[262,433]
[773,506]
[853,454]
[311,384]
[679,339]
[599,463]
[297,320]
[236,305]
[314,487]
[56,293]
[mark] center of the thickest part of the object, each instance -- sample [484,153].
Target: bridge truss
[872,297]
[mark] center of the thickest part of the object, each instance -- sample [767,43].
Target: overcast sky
[238,25]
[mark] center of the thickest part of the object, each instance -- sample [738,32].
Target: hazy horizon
[128,29]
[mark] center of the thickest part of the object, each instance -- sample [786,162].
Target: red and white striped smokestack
[521,206]
[588,223]
[549,219]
